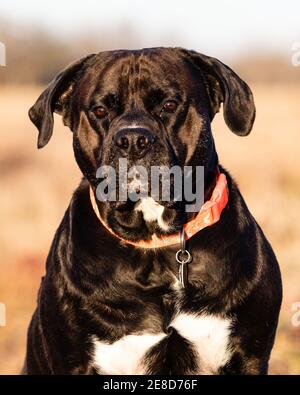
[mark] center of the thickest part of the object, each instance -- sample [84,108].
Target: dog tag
[183,257]
[183,274]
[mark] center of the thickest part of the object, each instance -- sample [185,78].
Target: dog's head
[153,107]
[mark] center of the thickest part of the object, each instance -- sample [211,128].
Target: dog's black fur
[95,285]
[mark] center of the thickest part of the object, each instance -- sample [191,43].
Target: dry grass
[36,188]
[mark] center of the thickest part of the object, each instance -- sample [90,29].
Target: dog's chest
[207,337]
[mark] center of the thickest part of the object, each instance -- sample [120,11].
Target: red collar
[209,214]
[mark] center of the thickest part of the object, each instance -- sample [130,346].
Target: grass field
[35,188]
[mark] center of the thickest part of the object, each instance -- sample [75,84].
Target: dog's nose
[135,141]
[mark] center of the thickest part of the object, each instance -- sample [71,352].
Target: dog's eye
[100,112]
[170,106]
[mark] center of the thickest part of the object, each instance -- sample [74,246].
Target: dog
[112,300]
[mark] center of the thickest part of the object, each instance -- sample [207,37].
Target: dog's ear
[225,86]
[55,98]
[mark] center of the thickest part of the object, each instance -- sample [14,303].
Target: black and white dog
[107,305]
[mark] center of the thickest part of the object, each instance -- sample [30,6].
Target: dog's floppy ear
[54,99]
[225,86]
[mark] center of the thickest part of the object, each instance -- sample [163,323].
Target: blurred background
[259,40]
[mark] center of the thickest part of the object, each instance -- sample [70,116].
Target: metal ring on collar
[188,256]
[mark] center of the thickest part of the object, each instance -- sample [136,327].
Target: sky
[216,27]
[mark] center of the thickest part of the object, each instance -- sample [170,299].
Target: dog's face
[154,108]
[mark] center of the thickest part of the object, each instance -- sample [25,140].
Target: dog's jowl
[118,297]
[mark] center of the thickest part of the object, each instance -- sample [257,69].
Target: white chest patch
[208,334]
[125,355]
[152,211]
